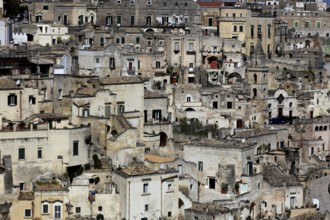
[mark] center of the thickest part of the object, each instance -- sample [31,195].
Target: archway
[234,77]
[99,217]
[190,110]
[162,139]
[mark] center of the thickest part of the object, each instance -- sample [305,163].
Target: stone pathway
[319,190]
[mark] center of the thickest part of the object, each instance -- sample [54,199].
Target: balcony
[131,71]
[191,51]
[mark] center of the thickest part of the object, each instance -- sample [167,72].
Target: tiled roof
[26,196]
[158,159]
[6,83]
[120,80]
[152,95]
[224,143]
[208,208]
[253,133]
[210,4]
[137,168]
[275,177]
[85,91]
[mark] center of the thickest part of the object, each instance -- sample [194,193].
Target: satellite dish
[18,82]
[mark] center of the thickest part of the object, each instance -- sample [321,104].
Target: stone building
[47,143]
[148,13]
[217,170]
[153,190]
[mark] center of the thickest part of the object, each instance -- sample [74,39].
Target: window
[148,22]
[32,100]
[176,46]
[149,2]
[27,213]
[118,2]
[146,208]
[112,63]
[235,28]
[97,60]
[75,148]
[241,28]
[21,186]
[78,210]
[191,47]
[132,20]
[229,105]
[307,24]
[318,24]
[123,40]
[169,214]
[107,111]
[234,15]
[57,211]
[45,208]
[200,166]
[268,31]
[85,112]
[101,41]
[157,115]
[252,31]
[210,22]
[21,153]
[169,185]
[39,153]
[137,40]
[12,100]
[100,208]
[188,99]
[296,24]
[119,20]
[157,64]
[120,108]
[145,187]
[132,2]
[108,20]
[45,7]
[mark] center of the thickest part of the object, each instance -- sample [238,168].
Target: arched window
[255,78]
[254,92]
[316,128]
[325,128]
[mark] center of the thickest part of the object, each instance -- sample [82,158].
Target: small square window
[32,100]
[200,166]
[78,210]
[146,208]
[97,60]
[27,213]
[100,208]
[45,7]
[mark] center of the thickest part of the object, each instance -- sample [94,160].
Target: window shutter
[8,100]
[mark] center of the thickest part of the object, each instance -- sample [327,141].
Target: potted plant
[224,188]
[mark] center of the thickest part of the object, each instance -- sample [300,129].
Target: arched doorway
[162,139]
[99,217]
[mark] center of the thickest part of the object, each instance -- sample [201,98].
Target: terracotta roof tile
[158,159]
